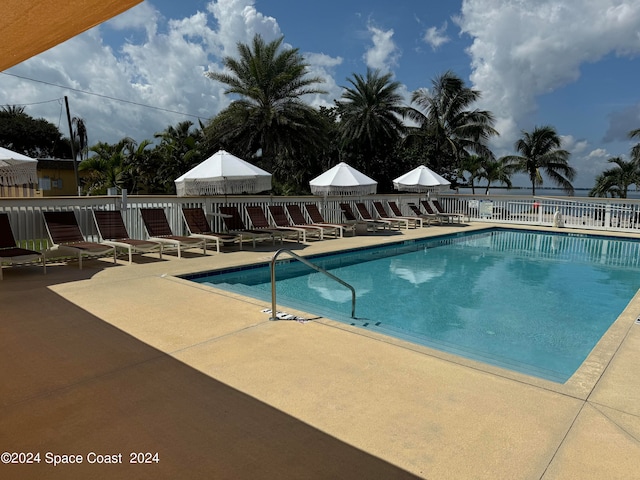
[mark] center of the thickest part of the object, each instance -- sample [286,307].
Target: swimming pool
[532,302]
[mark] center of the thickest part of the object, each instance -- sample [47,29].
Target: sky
[571,64]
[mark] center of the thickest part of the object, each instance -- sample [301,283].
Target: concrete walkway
[115,360]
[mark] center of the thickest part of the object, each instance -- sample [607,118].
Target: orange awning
[29,27]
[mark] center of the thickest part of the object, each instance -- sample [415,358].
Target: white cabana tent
[343,180]
[17,169]
[421,179]
[223,174]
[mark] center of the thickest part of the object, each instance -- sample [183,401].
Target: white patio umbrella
[421,179]
[17,169]
[223,174]
[343,179]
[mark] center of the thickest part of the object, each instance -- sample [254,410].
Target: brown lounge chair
[298,218]
[157,225]
[66,238]
[279,219]
[316,217]
[198,227]
[418,221]
[363,211]
[113,232]
[373,225]
[235,225]
[440,210]
[431,211]
[259,221]
[425,216]
[384,215]
[10,252]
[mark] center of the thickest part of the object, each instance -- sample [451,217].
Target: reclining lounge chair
[384,215]
[452,215]
[431,211]
[363,211]
[317,218]
[67,239]
[425,216]
[198,227]
[418,221]
[10,252]
[279,218]
[113,232]
[259,221]
[235,225]
[360,225]
[157,225]
[297,217]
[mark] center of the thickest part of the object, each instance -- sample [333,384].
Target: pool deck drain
[117,359]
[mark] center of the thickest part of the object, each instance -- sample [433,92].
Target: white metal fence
[25,214]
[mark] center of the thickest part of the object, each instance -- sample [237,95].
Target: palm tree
[179,151]
[142,172]
[108,167]
[472,165]
[269,117]
[80,143]
[371,114]
[635,151]
[616,180]
[540,152]
[495,171]
[444,118]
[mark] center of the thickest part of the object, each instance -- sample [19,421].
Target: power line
[102,96]
[30,104]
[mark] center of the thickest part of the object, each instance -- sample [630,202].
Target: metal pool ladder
[310,265]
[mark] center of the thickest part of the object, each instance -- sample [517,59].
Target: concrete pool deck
[119,359]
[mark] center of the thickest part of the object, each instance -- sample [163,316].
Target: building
[56,177]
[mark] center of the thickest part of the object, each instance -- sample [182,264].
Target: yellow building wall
[57,182]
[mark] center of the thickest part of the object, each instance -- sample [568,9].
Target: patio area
[115,360]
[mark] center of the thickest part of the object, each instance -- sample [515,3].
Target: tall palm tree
[270,116]
[616,181]
[371,114]
[540,151]
[635,150]
[80,142]
[445,120]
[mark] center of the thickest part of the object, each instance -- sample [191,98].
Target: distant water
[540,192]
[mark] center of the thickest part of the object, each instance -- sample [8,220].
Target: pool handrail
[310,265]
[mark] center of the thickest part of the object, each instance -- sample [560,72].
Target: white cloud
[164,68]
[598,153]
[588,165]
[436,37]
[323,66]
[521,50]
[570,143]
[384,53]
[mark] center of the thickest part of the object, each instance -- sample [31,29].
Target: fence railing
[25,214]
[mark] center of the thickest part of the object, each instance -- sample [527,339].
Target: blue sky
[572,64]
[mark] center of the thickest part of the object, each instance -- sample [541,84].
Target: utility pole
[73,147]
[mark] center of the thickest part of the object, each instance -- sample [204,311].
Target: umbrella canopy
[420,179]
[223,174]
[17,169]
[343,180]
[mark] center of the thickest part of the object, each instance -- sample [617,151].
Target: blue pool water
[531,302]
